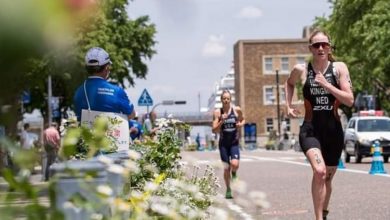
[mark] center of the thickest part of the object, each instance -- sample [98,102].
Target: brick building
[256,63]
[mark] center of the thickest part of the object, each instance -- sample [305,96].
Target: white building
[225,83]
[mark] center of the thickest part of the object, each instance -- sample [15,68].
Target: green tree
[361,36]
[105,24]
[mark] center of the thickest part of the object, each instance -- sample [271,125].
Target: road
[285,178]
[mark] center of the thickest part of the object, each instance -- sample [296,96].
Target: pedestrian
[136,130]
[96,93]
[197,140]
[327,85]
[26,141]
[149,124]
[51,141]
[227,121]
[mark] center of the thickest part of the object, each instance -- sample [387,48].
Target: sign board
[118,127]
[55,107]
[250,133]
[26,97]
[145,99]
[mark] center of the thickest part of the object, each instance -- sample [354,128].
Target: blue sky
[196,38]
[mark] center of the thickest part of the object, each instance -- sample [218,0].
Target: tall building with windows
[258,65]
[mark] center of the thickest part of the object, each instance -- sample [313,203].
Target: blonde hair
[226,91]
[330,55]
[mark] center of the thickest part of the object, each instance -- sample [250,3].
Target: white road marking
[306,164]
[239,210]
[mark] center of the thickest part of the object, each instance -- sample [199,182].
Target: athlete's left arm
[240,117]
[344,94]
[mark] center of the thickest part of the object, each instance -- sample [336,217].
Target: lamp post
[278,101]
[168,102]
[49,96]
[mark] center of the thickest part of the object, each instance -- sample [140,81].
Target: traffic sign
[145,99]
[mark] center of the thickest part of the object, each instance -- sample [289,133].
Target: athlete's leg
[318,189]
[235,158]
[223,151]
[330,172]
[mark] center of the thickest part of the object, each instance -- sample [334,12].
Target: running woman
[227,121]
[327,85]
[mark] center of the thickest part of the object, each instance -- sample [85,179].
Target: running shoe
[324,214]
[228,194]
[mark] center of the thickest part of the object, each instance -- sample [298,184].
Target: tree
[104,24]
[361,36]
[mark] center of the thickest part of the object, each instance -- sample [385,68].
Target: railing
[189,117]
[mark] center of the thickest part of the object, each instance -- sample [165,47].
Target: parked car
[360,134]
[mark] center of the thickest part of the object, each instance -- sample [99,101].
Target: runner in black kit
[227,121]
[327,85]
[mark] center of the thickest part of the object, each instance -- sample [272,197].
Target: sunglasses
[322,44]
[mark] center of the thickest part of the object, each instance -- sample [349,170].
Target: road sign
[145,99]
[26,97]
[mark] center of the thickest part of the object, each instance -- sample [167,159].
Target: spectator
[25,138]
[197,140]
[149,124]
[51,141]
[96,93]
[136,130]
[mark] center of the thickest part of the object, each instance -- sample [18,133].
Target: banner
[118,127]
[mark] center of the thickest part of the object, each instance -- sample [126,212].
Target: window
[282,96]
[269,124]
[301,60]
[269,97]
[351,124]
[268,64]
[288,124]
[285,64]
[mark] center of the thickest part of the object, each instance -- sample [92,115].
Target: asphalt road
[285,178]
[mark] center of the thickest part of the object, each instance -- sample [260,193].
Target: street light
[278,100]
[168,102]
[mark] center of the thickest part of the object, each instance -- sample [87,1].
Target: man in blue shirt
[136,130]
[96,92]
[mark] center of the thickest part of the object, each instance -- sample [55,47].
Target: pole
[49,95]
[278,101]
[199,102]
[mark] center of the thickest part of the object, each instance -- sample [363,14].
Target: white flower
[192,189]
[239,186]
[104,159]
[134,154]
[162,209]
[115,168]
[68,205]
[151,186]
[218,214]
[104,189]
[96,216]
[259,199]
[132,166]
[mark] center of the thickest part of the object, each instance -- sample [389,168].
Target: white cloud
[250,12]
[214,47]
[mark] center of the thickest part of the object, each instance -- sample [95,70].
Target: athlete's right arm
[217,122]
[289,87]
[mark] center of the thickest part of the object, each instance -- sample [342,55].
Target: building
[227,82]
[259,64]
